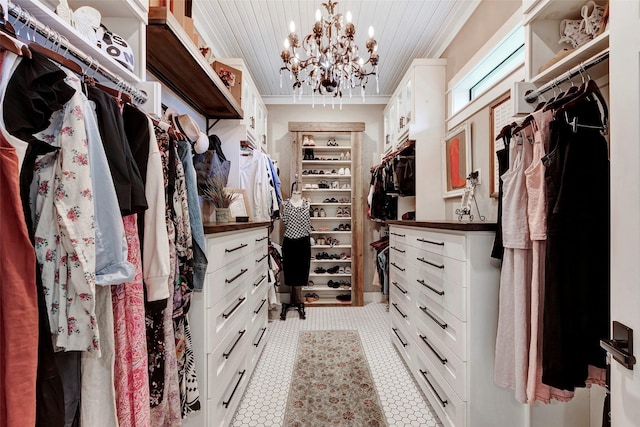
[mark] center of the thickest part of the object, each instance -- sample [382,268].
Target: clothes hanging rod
[532,96]
[49,34]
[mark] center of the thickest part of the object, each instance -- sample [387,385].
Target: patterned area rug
[332,384]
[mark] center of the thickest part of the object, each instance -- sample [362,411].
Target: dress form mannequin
[296,219]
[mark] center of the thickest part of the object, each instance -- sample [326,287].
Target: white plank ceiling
[255,31]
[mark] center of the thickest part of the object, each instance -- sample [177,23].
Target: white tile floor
[264,401]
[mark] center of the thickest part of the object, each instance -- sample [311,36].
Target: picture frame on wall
[456,160]
[500,115]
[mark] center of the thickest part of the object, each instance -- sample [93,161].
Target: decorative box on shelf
[232,77]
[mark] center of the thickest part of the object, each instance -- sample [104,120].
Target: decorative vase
[222,214]
[208,211]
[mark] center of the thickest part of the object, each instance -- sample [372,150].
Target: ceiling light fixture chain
[332,62]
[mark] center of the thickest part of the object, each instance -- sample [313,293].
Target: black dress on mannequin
[296,250]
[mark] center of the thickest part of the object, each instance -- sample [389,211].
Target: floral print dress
[63,210]
[178,355]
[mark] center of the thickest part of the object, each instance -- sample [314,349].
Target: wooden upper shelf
[176,61]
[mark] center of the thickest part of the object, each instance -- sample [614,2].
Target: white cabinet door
[625,199]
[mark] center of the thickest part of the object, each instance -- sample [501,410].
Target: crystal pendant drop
[280,79]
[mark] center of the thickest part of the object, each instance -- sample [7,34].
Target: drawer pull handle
[395,331]
[431,242]
[242,271]
[442,325]
[261,239]
[241,373]
[396,234]
[240,301]
[260,339]
[423,283]
[396,266]
[226,355]
[399,287]
[404,316]
[399,250]
[260,308]
[433,389]
[263,257]
[431,263]
[244,245]
[259,280]
[444,361]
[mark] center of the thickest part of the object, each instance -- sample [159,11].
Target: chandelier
[328,60]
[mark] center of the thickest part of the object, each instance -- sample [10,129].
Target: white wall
[279,141]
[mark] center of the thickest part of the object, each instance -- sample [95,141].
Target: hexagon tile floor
[264,401]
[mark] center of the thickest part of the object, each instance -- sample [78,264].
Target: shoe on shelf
[341,171]
[347,270]
[311,297]
[347,172]
[307,186]
[346,186]
[347,227]
[319,270]
[344,297]
[322,213]
[343,255]
[312,241]
[312,143]
[339,213]
[310,284]
[341,270]
[340,227]
[347,155]
[341,156]
[333,284]
[335,185]
[346,212]
[305,140]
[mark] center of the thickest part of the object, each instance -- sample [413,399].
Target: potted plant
[214,193]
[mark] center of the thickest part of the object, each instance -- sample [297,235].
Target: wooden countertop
[449,225]
[214,227]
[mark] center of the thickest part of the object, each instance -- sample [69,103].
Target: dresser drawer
[399,235]
[398,269]
[259,284]
[400,289]
[225,359]
[438,322]
[223,250]
[220,283]
[445,244]
[225,317]
[401,312]
[259,307]
[397,250]
[439,267]
[448,365]
[449,296]
[401,338]
[451,410]
[222,407]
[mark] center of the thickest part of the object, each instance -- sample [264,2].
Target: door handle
[621,346]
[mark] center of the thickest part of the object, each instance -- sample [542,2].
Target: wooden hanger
[506,130]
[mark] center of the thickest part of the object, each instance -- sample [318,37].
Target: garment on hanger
[576,302]
[152,227]
[536,215]
[512,340]
[503,166]
[255,178]
[18,300]
[126,176]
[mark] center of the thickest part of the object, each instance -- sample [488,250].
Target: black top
[124,171]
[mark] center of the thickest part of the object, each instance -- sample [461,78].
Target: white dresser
[229,318]
[444,312]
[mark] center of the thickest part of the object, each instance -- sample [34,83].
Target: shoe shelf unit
[542,22]
[323,158]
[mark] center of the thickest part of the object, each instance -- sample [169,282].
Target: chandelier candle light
[332,62]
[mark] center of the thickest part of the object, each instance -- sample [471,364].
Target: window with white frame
[500,61]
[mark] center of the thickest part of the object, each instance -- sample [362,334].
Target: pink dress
[131,373]
[537,216]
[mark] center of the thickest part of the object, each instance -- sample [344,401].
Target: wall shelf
[176,61]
